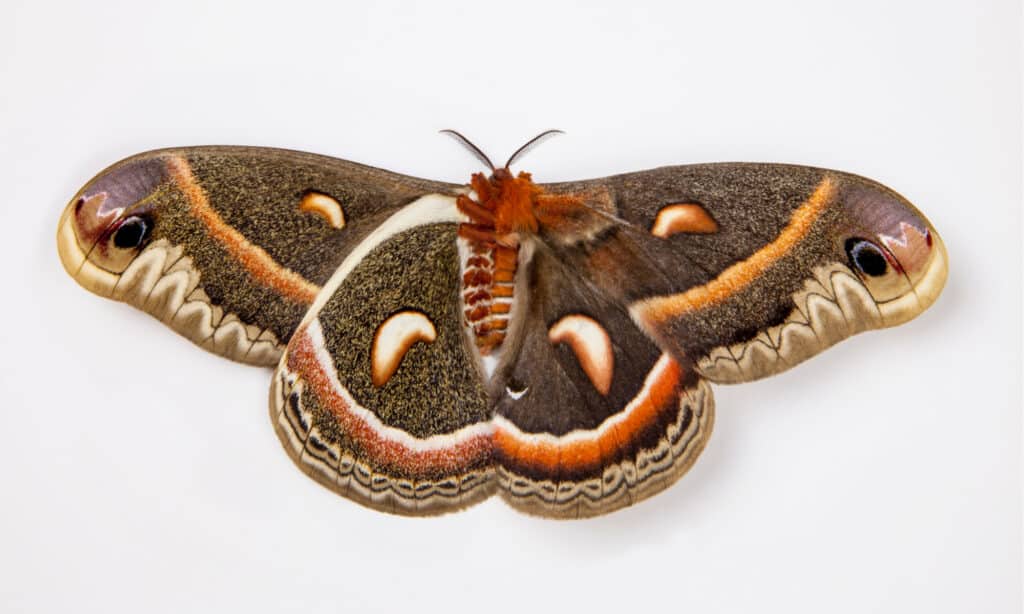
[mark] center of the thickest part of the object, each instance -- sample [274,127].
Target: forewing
[748,269]
[229,246]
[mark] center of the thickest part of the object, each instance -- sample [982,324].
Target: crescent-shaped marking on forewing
[659,309]
[685,218]
[325,206]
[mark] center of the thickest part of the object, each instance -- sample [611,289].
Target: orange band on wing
[583,450]
[740,275]
[257,262]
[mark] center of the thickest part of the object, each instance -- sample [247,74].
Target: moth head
[500,175]
[110,221]
[892,248]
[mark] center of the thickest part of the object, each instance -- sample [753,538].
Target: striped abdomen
[488,277]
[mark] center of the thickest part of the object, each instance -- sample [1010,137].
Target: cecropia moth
[435,344]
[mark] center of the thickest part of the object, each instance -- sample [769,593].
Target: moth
[435,344]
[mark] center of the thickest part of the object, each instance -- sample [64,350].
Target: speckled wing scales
[749,269]
[378,395]
[228,246]
[420,368]
[590,415]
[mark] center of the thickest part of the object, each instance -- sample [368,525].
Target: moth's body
[604,307]
[504,210]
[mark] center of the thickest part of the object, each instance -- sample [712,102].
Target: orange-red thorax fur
[508,205]
[513,200]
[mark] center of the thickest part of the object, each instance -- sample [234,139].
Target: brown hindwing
[594,417]
[416,439]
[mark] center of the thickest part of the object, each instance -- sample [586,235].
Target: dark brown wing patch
[567,443]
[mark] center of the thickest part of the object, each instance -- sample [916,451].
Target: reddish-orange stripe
[492,325]
[257,262]
[505,258]
[383,453]
[489,341]
[741,274]
[471,298]
[476,277]
[594,452]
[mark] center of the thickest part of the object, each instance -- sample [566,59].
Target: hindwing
[378,395]
[590,414]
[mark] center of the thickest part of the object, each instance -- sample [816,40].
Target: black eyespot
[867,257]
[132,232]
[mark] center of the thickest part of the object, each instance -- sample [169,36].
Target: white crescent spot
[393,339]
[592,346]
[324,206]
[683,217]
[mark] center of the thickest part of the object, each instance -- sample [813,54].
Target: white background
[140,474]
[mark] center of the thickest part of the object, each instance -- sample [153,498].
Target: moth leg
[476,212]
[482,187]
[477,233]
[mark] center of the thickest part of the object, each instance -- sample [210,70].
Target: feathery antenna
[471,147]
[543,136]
